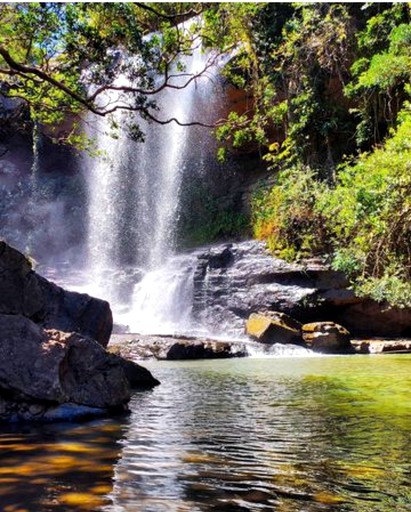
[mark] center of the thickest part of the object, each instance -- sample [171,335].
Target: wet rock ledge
[53,358]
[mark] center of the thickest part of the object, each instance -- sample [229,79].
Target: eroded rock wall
[24,292]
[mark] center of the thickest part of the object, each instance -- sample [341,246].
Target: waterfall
[134,203]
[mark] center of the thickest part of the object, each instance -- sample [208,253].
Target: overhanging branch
[29,72]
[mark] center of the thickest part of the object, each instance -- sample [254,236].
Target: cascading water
[134,205]
[34,182]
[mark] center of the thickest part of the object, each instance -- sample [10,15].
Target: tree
[294,60]
[64,59]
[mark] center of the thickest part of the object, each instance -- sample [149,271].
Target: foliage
[363,223]
[390,288]
[286,56]
[216,224]
[314,74]
[369,216]
[380,71]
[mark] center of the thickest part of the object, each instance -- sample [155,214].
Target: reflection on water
[57,467]
[290,435]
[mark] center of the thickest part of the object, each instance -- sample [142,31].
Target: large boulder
[53,362]
[45,368]
[138,377]
[23,292]
[274,327]
[327,338]
[200,349]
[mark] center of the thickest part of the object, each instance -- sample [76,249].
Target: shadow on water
[57,467]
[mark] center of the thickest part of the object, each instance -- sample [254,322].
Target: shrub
[286,215]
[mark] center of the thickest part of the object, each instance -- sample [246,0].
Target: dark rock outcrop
[199,349]
[370,318]
[53,362]
[174,348]
[48,368]
[137,376]
[24,292]
[255,281]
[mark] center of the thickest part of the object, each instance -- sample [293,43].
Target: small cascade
[261,351]
[163,299]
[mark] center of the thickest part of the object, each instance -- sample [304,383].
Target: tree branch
[175,120]
[25,71]
[21,68]
[164,85]
[171,17]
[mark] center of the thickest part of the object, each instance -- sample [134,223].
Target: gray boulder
[174,348]
[200,349]
[327,338]
[23,292]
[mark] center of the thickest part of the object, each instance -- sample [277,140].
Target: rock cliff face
[53,361]
[232,281]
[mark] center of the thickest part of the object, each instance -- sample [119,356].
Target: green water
[288,434]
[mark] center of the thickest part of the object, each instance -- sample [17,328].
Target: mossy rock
[274,327]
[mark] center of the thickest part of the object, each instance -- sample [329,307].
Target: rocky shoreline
[137,347]
[54,361]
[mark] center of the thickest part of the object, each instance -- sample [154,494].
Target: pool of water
[284,434]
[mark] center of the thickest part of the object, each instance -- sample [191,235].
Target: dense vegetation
[326,107]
